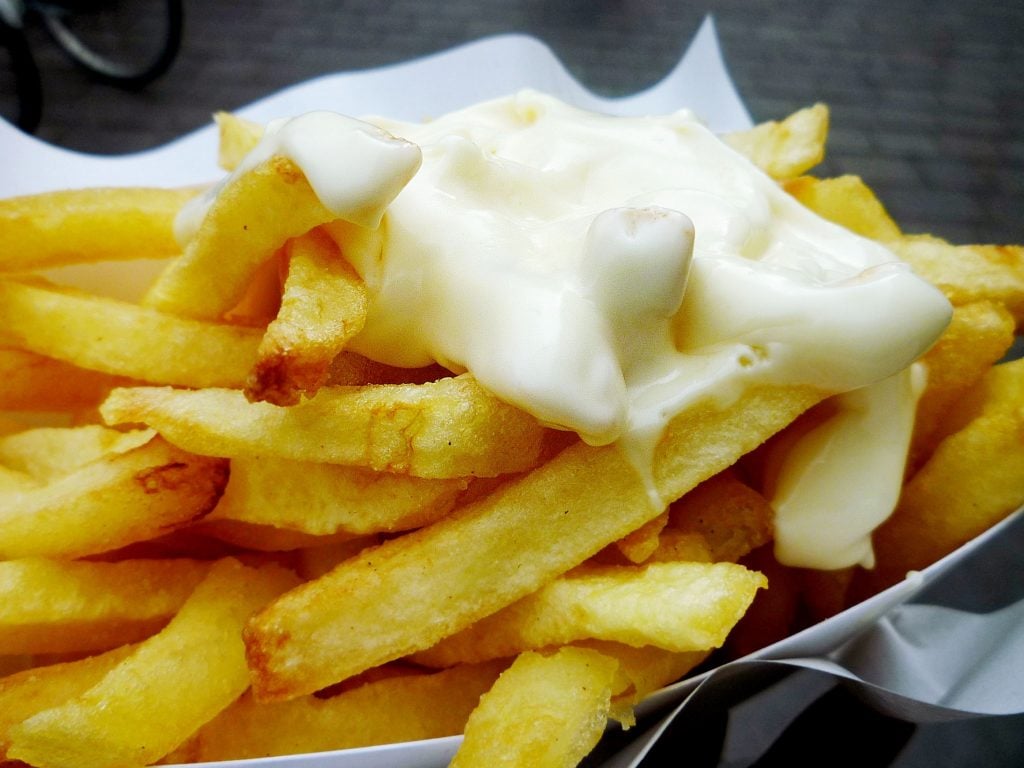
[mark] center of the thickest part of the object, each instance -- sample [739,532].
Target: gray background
[927,103]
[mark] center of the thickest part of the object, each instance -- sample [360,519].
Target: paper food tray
[417,90]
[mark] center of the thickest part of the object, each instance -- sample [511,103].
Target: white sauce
[844,476]
[603,272]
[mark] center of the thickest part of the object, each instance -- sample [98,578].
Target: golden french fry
[788,148]
[642,543]
[84,225]
[978,336]
[448,428]
[968,273]
[236,138]
[323,499]
[848,201]
[31,382]
[25,693]
[46,453]
[730,516]
[323,306]
[405,707]
[171,684]
[674,606]
[57,606]
[110,503]
[973,479]
[411,591]
[265,538]
[123,339]
[544,711]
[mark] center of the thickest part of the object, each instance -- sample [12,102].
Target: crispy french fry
[170,685]
[448,428]
[322,499]
[46,453]
[968,273]
[84,225]
[978,336]
[203,283]
[265,538]
[109,504]
[544,711]
[31,382]
[322,307]
[411,591]
[49,606]
[642,543]
[400,708]
[26,693]
[731,517]
[236,138]
[973,479]
[787,148]
[123,339]
[674,606]
[846,200]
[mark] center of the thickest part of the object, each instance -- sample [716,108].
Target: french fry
[109,504]
[848,201]
[787,148]
[410,592]
[642,543]
[544,711]
[236,138]
[28,692]
[46,453]
[123,339]
[52,606]
[730,516]
[170,685]
[322,307]
[978,336]
[398,708]
[323,499]
[973,479]
[86,225]
[31,382]
[448,428]
[674,606]
[265,538]
[968,273]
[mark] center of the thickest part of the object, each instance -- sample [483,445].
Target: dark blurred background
[927,103]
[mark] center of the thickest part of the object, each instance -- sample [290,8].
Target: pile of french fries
[223,535]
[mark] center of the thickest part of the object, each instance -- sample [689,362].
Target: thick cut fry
[33,690]
[123,339]
[978,336]
[31,382]
[394,709]
[236,138]
[411,591]
[642,543]
[109,504]
[675,606]
[968,273]
[974,478]
[788,148]
[322,499]
[85,225]
[848,201]
[322,307]
[265,538]
[170,685]
[236,237]
[47,453]
[51,606]
[731,517]
[544,711]
[448,428]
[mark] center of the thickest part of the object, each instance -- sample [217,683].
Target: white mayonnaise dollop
[601,272]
